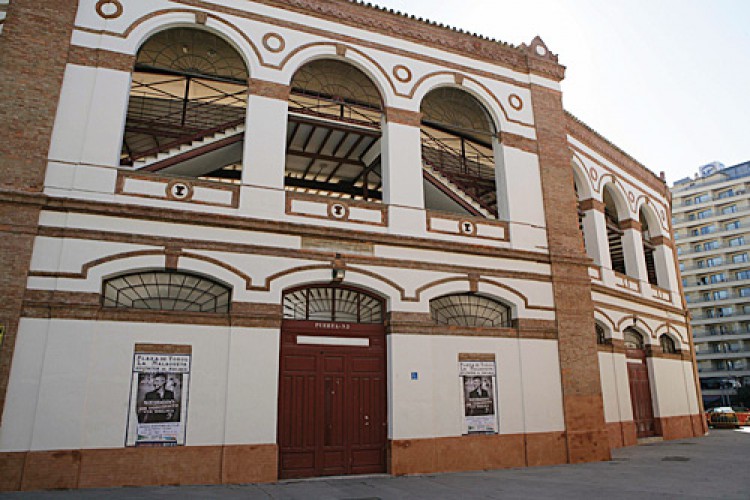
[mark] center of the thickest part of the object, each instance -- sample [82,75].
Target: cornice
[603,146]
[423,31]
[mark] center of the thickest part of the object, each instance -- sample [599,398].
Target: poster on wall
[158,398]
[479,394]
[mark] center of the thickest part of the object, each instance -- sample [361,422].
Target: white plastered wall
[613,373]
[528,385]
[672,387]
[70,383]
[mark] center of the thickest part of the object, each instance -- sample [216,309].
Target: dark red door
[332,399]
[640,393]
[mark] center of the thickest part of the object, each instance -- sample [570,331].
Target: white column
[264,156]
[635,260]
[595,236]
[402,177]
[666,274]
[90,116]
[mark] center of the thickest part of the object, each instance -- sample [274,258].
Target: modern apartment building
[711,218]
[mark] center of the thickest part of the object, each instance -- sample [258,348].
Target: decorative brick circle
[338,211]
[273,42]
[109,9]
[402,73]
[178,190]
[467,228]
[515,102]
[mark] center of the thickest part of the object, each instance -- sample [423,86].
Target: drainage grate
[675,459]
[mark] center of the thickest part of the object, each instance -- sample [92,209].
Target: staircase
[189,147]
[433,175]
[470,179]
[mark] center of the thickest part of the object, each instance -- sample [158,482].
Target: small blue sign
[414,376]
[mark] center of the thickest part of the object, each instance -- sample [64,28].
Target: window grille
[328,303]
[469,310]
[601,338]
[166,291]
[633,339]
[667,344]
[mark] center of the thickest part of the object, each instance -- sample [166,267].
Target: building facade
[711,231]
[252,240]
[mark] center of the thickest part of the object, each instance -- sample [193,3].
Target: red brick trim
[100,58]
[422,324]
[681,427]
[173,215]
[630,224]
[138,466]
[403,116]
[272,90]
[598,143]
[622,434]
[465,453]
[519,142]
[591,204]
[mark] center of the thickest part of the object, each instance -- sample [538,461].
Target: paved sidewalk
[717,466]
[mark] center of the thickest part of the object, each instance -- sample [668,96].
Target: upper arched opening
[613,212]
[470,310]
[187,105]
[334,132]
[457,153]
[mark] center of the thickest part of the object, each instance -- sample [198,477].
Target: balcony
[680,222]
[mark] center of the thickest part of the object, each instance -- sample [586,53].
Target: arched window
[333,132]
[166,291]
[601,337]
[187,104]
[614,233]
[470,310]
[633,339]
[648,248]
[457,154]
[667,344]
[332,303]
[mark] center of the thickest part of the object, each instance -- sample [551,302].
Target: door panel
[640,394]
[332,404]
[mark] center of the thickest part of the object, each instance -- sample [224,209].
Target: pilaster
[586,434]
[33,52]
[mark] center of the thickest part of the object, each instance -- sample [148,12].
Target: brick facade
[33,50]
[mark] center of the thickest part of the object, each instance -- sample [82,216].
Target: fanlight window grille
[633,339]
[667,344]
[601,337]
[166,291]
[327,303]
[469,310]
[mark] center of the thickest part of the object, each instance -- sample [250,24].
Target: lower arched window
[332,303]
[166,291]
[633,339]
[667,344]
[601,338]
[469,310]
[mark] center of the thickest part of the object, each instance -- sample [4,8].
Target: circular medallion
[467,228]
[178,190]
[109,9]
[338,211]
[402,73]
[540,50]
[273,42]
[515,102]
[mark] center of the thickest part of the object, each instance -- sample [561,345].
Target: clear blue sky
[668,81]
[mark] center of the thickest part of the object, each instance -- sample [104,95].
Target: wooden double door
[640,393]
[332,400]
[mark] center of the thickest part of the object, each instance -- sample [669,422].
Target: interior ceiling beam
[346,155]
[372,132]
[336,187]
[333,159]
[293,135]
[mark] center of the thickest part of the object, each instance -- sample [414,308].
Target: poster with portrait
[158,399]
[479,395]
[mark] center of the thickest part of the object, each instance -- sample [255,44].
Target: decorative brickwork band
[272,90]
